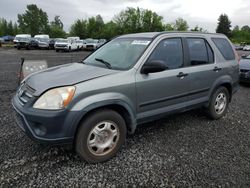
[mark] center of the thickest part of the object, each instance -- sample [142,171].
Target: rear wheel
[218,103]
[100,136]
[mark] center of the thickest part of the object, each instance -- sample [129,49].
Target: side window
[224,47]
[200,52]
[170,52]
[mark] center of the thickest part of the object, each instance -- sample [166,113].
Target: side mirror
[153,66]
[244,56]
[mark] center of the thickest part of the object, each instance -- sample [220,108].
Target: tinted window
[170,52]
[225,48]
[199,51]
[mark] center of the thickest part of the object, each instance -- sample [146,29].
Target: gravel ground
[183,150]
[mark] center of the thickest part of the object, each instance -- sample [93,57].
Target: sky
[203,13]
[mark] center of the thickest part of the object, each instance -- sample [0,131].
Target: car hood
[245,64]
[64,75]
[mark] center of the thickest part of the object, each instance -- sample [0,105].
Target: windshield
[62,40]
[42,39]
[89,40]
[120,54]
[23,39]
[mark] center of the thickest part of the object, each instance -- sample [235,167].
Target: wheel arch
[118,106]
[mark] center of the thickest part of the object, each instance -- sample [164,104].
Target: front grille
[244,70]
[89,46]
[25,93]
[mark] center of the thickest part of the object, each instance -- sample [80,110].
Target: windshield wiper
[104,62]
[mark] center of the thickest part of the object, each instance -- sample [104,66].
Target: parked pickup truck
[132,79]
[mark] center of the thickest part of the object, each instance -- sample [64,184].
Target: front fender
[92,102]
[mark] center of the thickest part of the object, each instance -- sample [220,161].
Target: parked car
[65,45]
[27,43]
[238,47]
[43,43]
[132,79]
[245,69]
[18,37]
[52,43]
[91,44]
[2,40]
[80,44]
[101,42]
[8,38]
[246,48]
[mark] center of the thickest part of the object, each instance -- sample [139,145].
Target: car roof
[151,35]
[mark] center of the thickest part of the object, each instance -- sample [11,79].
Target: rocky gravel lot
[184,150]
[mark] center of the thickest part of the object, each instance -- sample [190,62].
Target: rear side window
[170,52]
[224,47]
[200,52]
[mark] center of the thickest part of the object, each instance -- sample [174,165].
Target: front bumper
[61,47]
[44,126]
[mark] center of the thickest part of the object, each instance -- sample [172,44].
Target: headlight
[55,99]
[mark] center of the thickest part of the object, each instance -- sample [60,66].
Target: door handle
[217,69]
[182,75]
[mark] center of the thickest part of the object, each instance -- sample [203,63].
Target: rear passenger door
[202,71]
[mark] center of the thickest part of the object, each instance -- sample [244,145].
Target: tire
[109,128]
[57,50]
[218,103]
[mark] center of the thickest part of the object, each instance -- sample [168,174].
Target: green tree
[15,29]
[56,28]
[245,28]
[199,29]
[33,21]
[95,26]
[110,30]
[169,27]
[134,20]
[10,29]
[3,27]
[79,28]
[181,25]
[57,22]
[236,28]
[224,25]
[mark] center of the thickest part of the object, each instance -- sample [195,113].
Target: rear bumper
[51,127]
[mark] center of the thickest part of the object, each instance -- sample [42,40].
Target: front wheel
[218,103]
[100,136]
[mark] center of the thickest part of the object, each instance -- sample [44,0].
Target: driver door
[164,91]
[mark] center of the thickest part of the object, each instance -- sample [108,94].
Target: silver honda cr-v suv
[130,80]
